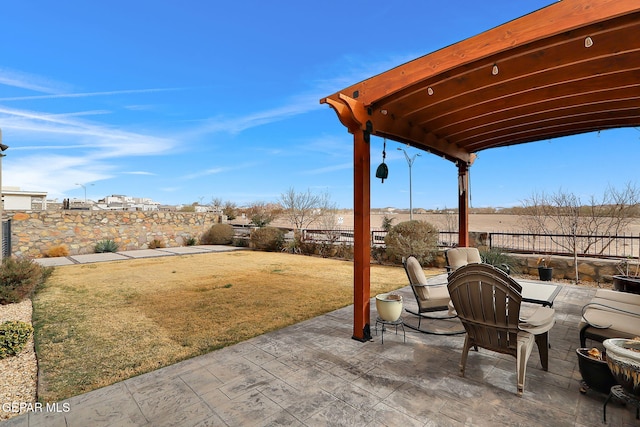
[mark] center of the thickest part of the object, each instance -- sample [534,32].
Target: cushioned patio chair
[488,301]
[431,297]
[457,257]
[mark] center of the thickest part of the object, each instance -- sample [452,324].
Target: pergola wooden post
[566,69]
[463,204]
[362,235]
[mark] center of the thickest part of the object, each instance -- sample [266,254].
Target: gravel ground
[19,374]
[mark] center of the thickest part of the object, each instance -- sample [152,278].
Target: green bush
[106,246]
[417,238]
[218,234]
[19,278]
[267,239]
[499,259]
[13,337]
[190,241]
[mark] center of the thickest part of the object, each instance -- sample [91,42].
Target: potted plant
[627,280]
[545,271]
[389,307]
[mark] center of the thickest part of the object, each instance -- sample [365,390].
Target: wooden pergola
[569,68]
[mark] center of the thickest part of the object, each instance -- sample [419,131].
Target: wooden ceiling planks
[569,68]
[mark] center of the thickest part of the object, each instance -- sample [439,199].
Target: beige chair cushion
[459,257]
[604,311]
[429,295]
[629,299]
[417,277]
[539,322]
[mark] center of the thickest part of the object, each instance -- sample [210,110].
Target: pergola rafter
[569,68]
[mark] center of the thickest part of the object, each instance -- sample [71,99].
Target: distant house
[15,199]
[125,203]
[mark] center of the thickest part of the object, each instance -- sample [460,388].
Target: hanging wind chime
[383,171]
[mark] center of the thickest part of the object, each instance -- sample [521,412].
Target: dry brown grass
[97,324]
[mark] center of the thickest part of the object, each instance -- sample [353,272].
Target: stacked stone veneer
[34,233]
[589,269]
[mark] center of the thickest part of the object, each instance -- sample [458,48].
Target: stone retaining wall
[33,233]
[589,269]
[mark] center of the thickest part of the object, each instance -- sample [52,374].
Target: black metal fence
[616,246]
[605,246]
[6,239]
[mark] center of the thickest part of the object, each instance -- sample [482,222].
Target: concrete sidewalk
[140,253]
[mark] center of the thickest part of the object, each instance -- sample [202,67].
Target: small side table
[626,398]
[396,323]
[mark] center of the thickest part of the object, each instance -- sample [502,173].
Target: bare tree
[577,227]
[262,214]
[230,209]
[216,204]
[304,208]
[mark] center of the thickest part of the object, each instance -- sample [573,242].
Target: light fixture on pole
[2,149]
[410,161]
[84,187]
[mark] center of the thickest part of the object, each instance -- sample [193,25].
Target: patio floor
[314,374]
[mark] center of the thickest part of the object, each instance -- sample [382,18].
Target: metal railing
[605,246]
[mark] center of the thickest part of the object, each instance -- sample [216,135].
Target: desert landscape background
[495,222]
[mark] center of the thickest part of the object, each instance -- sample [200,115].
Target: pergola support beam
[355,117]
[362,235]
[463,204]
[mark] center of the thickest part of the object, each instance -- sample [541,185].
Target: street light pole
[410,161]
[2,148]
[84,187]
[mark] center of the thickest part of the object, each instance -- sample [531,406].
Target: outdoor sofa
[610,314]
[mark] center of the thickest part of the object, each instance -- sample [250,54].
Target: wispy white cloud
[94,149]
[328,169]
[105,141]
[207,172]
[52,173]
[139,173]
[22,80]
[259,118]
[87,94]
[170,189]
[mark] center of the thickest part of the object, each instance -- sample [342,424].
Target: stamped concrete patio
[314,374]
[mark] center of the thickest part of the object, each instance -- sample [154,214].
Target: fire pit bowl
[623,358]
[595,372]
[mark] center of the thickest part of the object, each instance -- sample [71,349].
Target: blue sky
[193,100]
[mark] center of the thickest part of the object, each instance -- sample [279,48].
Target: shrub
[267,238]
[498,258]
[240,242]
[387,223]
[218,234]
[13,337]
[19,278]
[57,251]
[379,254]
[344,251]
[156,243]
[190,241]
[417,238]
[106,246]
[294,245]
